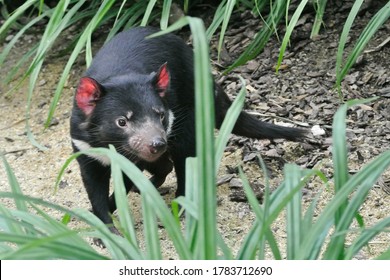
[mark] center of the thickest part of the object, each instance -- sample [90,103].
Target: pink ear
[88,92]
[163,79]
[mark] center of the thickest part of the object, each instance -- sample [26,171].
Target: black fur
[125,74]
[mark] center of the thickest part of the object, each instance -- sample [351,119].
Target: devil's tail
[249,126]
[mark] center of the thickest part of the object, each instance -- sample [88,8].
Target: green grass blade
[51,247]
[256,235]
[118,247]
[340,149]
[192,217]
[103,9]
[204,137]
[14,17]
[166,10]
[267,207]
[228,124]
[228,12]
[251,242]
[292,176]
[226,252]
[152,240]
[136,18]
[189,205]
[56,24]
[364,179]
[307,222]
[124,212]
[8,224]
[280,197]
[290,28]
[51,227]
[88,51]
[23,60]
[115,244]
[204,126]
[265,216]
[176,26]
[41,232]
[272,243]
[273,205]
[119,12]
[343,40]
[15,218]
[54,27]
[366,235]
[13,182]
[154,199]
[341,172]
[339,153]
[375,23]
[148,12]
[320,10]
[262,37]
[43,46]
[17,36]
[217,20]
[192,188]
[384,256]
[128,18]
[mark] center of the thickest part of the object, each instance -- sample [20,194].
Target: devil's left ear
[162,80]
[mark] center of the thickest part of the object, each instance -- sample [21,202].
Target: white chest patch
[82,146]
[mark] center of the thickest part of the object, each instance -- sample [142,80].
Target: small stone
[42,82]
[9,38]
[235,183]
[317,130]
[63,184]
[249,157]
[224,179]
[10,140]
[272,153]
[253,65]
[54,122]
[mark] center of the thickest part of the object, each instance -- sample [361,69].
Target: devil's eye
[162,116]
[160,112]
[122,122]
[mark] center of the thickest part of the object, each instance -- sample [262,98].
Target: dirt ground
[302,94]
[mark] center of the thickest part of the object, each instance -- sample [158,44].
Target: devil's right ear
[88,93]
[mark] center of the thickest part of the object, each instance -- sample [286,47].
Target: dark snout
[158,145]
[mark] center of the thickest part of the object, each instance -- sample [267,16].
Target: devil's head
[129,112]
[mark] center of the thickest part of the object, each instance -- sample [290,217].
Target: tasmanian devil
[138,95]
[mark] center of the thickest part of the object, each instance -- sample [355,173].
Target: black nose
[158,145]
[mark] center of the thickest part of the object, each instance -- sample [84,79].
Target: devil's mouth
[144,155]
[151,157]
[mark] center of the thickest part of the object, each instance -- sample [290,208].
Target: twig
[15,151]
[22,120]
[379,47]
[13,124]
